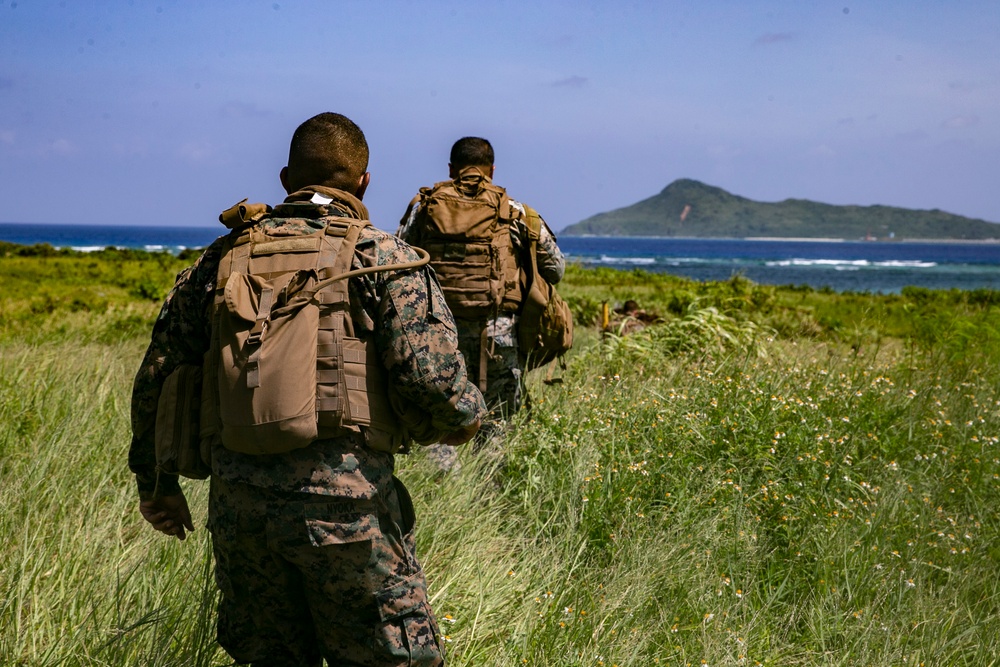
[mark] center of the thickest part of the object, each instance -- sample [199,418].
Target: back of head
[471,152]
[328,150]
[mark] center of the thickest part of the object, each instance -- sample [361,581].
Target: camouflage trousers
[306,577]
[504,377]
[505,393]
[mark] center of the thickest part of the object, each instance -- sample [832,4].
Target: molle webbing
[292,368]
[466,228]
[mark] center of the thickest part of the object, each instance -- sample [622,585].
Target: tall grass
[718,489]
[805,507]
[81,582]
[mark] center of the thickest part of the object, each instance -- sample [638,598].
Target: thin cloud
[59,147]
[911,136]
[131,148]
[774,38]
[243,110]
[63,146]
[571,82]
[195,151]
[725,151]
[958,122]
[961,86]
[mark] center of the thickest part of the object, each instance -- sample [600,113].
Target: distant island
[690,208]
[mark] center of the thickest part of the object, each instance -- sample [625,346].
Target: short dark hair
[328,149]
[471,152]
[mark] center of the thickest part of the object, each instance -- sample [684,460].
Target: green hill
[690,208]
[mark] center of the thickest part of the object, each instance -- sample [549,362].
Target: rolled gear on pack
[241,214]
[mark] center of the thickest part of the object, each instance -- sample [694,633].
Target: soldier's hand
[462,435]
[168,514]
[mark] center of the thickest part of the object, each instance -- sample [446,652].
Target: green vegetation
[689,208]
[775,476]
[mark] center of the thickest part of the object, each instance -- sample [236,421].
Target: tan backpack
[291,367]
[286,365]
[465,227]
[545,328]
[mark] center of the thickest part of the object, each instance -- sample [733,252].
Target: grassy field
[770,476]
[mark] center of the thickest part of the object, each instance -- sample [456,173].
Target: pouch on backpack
[177,434]
[261,324]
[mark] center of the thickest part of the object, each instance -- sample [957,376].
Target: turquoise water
[858,266]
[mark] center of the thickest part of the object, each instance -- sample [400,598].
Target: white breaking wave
[605,259]
[153,247]
[907,264]
[854,264]
[819,262]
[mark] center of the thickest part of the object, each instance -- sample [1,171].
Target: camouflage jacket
[413,330]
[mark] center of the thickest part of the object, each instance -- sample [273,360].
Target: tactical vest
[465,227]
[288,363]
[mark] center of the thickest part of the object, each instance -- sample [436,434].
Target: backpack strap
[263,315]
[533,222]
[339,291]
[483,357]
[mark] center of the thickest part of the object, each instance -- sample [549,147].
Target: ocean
[873,266]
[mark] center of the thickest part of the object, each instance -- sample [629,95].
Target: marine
[490,338]
[314,547]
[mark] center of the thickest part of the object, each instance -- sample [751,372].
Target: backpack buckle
[263,315]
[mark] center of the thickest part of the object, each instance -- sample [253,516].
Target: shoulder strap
[533,222]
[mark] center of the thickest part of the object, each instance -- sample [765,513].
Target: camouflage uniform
[314,548]
[505,392]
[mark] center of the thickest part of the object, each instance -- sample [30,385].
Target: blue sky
[168,111]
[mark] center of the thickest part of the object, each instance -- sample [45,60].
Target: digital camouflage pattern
[505,392]
[333,509]
[505,385]
[328,577]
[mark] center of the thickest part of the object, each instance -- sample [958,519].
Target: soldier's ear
[493,168]
[363,185]
[283,176]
